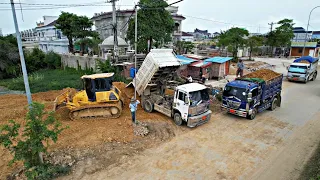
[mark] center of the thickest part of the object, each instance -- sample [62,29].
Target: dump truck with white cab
[190,102]
[303,69]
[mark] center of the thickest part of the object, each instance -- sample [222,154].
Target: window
[181,96]
[255,92]
[300,50]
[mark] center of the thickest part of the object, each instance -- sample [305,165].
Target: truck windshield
[198,97]
[240,93]
[298,69]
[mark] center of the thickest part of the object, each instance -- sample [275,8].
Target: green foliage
[154,23]
[45,80]
[40,128]
[234,39]
[106,67]
[53,60]
[184,47]
[92,43]
[253,42]
[219,97]
[47,171]
[74,26]
[9,57]
[282,35]
[35,60]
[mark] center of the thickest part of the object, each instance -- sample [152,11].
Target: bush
[53,60]
[40,128]
[106,67]
[35,60]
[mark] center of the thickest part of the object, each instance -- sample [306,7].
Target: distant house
[315,35]
[50,38]
[300,34]
[201,34]
[188,37]
[311,49]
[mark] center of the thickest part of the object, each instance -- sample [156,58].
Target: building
[200,35]
[300,34]
[311,49]
[103,23]
[29,35]
[50,38]
[315,35]
[187,37]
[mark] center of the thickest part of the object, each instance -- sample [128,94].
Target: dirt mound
[304,61]
[265,74]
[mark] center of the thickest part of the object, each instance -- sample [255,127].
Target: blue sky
[220,15]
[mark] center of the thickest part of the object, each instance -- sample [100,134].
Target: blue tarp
[184,60]
[306,58]
[219,59]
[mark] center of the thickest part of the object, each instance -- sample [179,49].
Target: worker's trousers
[133,114]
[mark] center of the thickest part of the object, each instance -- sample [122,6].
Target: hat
[133,99]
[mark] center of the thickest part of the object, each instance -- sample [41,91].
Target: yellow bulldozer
[98,99]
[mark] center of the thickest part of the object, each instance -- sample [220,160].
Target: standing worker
[133,108]
[240,66]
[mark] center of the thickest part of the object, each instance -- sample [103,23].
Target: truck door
[180,101]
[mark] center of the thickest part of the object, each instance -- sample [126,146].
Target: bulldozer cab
[97,83]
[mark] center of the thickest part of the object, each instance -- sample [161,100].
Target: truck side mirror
[249,97]
[186,100]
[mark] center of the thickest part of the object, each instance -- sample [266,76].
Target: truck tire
[148,106]
[253,114]
[274,104]
[177,119]
[314,77]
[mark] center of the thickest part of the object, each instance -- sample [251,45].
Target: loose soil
[265,74]
[94,144]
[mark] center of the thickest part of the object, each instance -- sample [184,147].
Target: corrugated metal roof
[184,60]
[301,44]
[200,64]
[219,59]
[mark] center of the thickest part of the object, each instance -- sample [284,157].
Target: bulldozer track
[97,111]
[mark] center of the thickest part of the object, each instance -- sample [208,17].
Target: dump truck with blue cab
[253,93]
[303,69]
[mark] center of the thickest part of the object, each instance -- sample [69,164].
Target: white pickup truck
[190,102]
[303,69]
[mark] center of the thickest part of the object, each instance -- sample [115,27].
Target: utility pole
[23,64]
[271,28]
[135,53]
[115,30]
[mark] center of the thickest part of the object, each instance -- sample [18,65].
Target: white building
[187,37]
[300,34]
[50,38]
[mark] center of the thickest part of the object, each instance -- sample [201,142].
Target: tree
[253,42]
[234,39]
[74,26]
[27,144]
[35,60]
[9,58]
[92,43]
[184,47]
[282,35]
[154,24]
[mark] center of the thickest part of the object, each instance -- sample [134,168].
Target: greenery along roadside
[312,169]
[45,80]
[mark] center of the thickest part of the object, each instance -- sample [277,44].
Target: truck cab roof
[242,84]
[191,87]
[300,64]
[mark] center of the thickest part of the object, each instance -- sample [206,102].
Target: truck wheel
[274,104]
[148,106]
[314,76]
[177,119]
[253,114]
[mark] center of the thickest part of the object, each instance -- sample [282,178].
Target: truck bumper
[300,79]
[199,120]
[235,112]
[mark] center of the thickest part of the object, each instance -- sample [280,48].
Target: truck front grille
[233,104]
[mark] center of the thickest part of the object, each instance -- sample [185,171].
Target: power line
[56,7]
[221,22]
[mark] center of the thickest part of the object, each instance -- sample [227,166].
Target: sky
[212,15]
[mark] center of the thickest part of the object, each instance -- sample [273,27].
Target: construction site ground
[227,147]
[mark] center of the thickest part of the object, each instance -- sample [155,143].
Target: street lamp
[305,39]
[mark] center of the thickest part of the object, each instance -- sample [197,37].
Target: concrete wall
[82,62]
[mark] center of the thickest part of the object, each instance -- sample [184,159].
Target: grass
[45,80]
[312,169]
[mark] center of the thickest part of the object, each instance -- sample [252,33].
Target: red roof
[186,34]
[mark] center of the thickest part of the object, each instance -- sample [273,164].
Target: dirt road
[229,147]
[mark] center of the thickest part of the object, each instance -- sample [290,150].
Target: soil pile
[265,74]
[304,61]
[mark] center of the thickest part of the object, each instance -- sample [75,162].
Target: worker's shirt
[133,106]
[190,79]
[240,65]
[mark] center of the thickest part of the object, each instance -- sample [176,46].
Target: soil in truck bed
[265,74]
